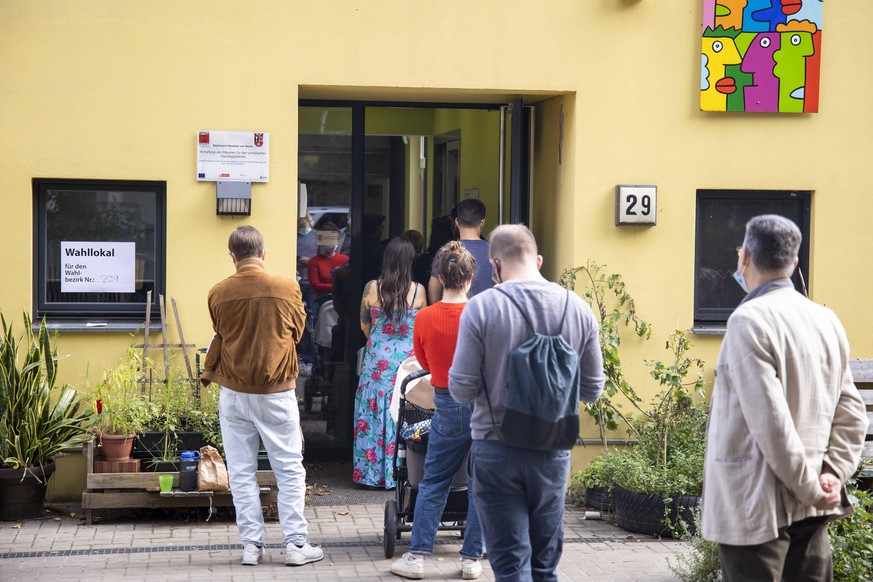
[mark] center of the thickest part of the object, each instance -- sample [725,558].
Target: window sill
[98,326]
[709,329]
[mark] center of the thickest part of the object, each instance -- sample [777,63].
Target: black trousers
[801,552]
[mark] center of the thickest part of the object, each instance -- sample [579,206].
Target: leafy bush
[851,541]
[119,394]
[671,434]
[852,538]
[600,472]
[702,563]
[205,418]
[615,309]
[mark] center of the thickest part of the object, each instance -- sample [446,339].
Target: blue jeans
[276,419]
[520,497]
[447,447]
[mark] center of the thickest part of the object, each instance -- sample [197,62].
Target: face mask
[741,281]
[304,231]
[326,250]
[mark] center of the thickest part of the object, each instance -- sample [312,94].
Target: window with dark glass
[81,225]
[721,226]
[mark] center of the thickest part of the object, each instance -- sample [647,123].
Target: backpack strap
[488,400]
[527,319]
[517,306]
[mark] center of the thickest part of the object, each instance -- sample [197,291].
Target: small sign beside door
[635,204]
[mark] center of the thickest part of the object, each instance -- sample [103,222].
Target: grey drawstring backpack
[541,410]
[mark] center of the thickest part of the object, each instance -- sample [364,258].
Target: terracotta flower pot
[116,447]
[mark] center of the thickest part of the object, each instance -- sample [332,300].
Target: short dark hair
[246,242]
[773,242]
[470,212]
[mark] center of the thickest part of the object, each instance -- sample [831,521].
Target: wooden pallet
[862,372]
[141,490]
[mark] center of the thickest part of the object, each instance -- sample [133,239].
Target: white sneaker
[470,569]
[295,556]
[253,554]
[409,566]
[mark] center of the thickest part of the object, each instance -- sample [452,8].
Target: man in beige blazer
[786,425]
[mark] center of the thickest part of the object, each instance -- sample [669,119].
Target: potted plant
[175,424]
[38,419]
[123,410]
[661,476]
[658,481]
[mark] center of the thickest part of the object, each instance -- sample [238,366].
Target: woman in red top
[434,337]
[321,266]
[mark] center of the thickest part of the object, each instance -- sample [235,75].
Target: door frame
[520,183]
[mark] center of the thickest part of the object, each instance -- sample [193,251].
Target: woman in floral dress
[388,310]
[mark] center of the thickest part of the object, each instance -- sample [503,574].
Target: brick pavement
[169,549]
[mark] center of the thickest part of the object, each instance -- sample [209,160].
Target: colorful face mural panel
[761,55]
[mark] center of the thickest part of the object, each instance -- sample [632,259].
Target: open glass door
[373,171]
[325,175]
[516,159]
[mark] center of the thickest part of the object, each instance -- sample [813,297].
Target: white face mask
[741,281]
[304,231]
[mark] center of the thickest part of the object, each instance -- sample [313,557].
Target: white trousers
[274,418]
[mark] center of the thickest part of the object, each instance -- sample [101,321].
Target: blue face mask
[741,281]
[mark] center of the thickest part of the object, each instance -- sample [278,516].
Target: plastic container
[188,470]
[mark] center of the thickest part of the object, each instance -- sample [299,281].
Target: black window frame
[95,311]
[712,318]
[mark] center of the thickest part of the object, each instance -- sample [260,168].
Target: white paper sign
[240,156]
[98,267]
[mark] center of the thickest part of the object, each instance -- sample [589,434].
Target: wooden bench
[862,372]
[141,490]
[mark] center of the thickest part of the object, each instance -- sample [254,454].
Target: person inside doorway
[470,221]
[322,265]
[440,234]
[373,245]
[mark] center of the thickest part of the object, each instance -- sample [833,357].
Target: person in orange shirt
[434,337]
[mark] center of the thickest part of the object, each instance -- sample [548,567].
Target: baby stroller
[410,447]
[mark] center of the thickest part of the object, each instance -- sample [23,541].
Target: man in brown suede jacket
[258,319]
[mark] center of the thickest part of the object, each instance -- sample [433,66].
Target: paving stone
[350,535]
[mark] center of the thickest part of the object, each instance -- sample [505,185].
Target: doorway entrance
[371,171]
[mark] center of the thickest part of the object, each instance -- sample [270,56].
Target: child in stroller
[414,415]
[437,498]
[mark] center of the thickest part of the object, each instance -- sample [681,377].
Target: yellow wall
[117,90]
[478,131]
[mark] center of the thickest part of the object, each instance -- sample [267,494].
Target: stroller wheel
[389,536]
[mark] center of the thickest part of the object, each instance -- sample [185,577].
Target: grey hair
[773,242]
[246,242]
